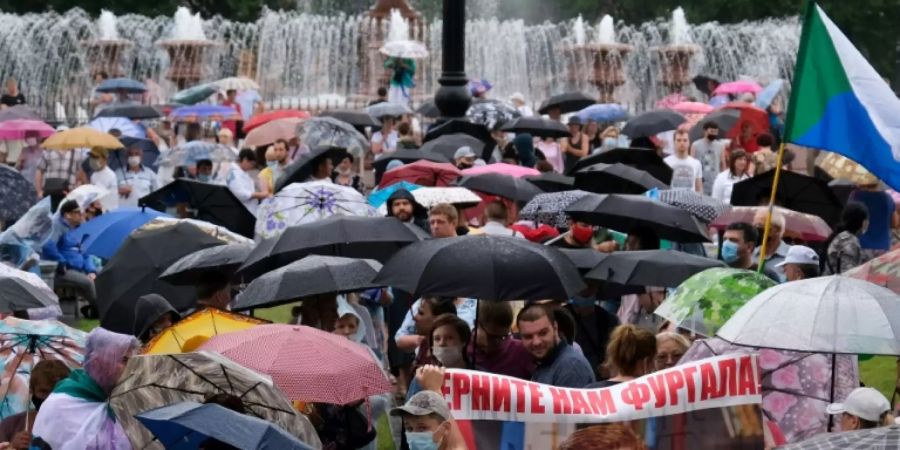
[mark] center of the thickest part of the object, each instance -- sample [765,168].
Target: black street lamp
[453,98]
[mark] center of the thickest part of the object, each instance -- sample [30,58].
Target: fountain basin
[186,60]
[675,64]
[603,65]
[106,55]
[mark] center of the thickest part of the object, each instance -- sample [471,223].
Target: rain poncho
[21,242]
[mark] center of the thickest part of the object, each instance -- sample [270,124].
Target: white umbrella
[821,315]
[405,49]
[237,84]
[86,194]
[380,110]
[300,203]
[460,196]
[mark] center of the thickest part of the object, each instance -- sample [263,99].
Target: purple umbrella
[199,113]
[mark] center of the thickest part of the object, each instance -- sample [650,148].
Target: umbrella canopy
[767,95]
[626,212]
[484,267]
[312,275]
[202,113]
[18,128]
[119,157]
[305,363]
[215,231]
[214,203]
[883,271]
[550,208]
[380,196]
[301,203]
[757,119]
[330,132]
[24,343]
[102,236]
[191,332]
[642,159]
[19,112]
[224,259]
[353,237]
[502,169]
[692,108]
[552,182]
[191,424]
[428,109]
[666,268]
[130,111]
[194,94]
[20,290]
[454,195]
[388,109]
[505,186]
[236,84]
[134,271]
[492,113]
[448,144]
[738,87]
[354,118]
[884,438]
[795,191]
[604,113]
[537,126]
[726,119]
[272,131]
[86,194]
[464,126]
[701,206]
[404,48]
[126,126]
[121,84]
[266,117]
[836,166]
[832,314]
[81,137]
[584,259]
[189,153]
[652,123]
[407,155]
[17,194]
[616,178]
[705,301]
[796,224]
[422,173]
[567,102]
[195,377]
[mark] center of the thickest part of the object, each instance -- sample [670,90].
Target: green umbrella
[194,94]
[705,301]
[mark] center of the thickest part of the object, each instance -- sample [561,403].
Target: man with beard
[402,205]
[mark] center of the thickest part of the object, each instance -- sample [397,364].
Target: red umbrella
[757,119]
[307,364]
[423,173]
[266,117]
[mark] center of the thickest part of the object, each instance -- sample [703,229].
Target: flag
[840,103]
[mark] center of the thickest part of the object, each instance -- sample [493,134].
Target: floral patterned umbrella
[701,206]
[883,271]
[300,203]
[23,343]
[550,208]
[16,194]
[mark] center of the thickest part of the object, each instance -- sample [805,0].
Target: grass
[880,373]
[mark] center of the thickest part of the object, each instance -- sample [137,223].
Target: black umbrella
[665,268]
[568,102]
[584,259]
[624,212]
[639,158]
[407,156]
[224,259]
[448,144]
[349,236]
[615,179]
[303,167]
[312,275]
[429,109]
[483,267]
[131,111]
[464,126]
[653,122]
[20,290]
[355,118]
[795,191]
[552,182]
[726,119]
[705,84]
[134,271]
[119,158]
[537,126]
[501,185]
[16,194]
[214,203]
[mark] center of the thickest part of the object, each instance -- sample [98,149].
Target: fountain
[387,16]
[601,62]
[186,49]
[105,55]
[675,58]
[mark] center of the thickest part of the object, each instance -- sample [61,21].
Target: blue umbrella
[765,98]
[380,196]
[205,112]
[187,425]
[103,235]
[125,125]
[605,112]
[122,84]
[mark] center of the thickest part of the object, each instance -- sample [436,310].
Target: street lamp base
[453,98]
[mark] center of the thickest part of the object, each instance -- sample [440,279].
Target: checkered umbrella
[883,438]
[701,206]
[492,113]
[550,208]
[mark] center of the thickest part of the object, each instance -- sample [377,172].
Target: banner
[728,380]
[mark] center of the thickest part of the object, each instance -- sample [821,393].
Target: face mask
[31,142]
[422,440]
[729,252]
[96,164]
[712,137]
[464,166]
[134,161]
[203,177]
[610,142]
[272,164]
[582,234]
[449,356]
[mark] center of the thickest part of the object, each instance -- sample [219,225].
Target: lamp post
[453,98]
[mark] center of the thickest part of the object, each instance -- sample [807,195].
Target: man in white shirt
[495,220]
[687,173]
[135,180]
[104,177]
[241,183]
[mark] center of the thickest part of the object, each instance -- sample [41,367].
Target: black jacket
[147,310]
[420,214]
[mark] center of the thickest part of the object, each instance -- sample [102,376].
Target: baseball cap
[464,152]
[422,404]
[517,96]
[800,254]
[574,120]
[865,403]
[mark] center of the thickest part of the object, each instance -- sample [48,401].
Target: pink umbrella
[502,168]
[692,108]
[738,87]
[797,224]
[17,128]
[307,364]
[272,131]
[671,100]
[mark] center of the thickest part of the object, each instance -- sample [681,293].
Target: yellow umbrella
[195,329]
[81,137]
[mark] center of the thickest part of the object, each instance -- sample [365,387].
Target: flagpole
[761,263]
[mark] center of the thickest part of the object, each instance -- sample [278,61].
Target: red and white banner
[728,380]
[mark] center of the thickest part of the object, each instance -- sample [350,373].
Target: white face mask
[134,161]
[31,142]
[449,356]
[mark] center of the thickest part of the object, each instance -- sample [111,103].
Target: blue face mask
[729,252]
[422,440]
[272,164]
[203,177]
[610,142]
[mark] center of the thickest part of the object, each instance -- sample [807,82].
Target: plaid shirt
[61,164]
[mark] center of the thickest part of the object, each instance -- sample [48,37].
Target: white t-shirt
[390,144]
[106,179]
[141,183]
[724,184]
[685,172]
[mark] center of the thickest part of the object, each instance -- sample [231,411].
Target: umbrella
[305,363]
[429,109]
[692,108]
[18,128]
[195,377]
[134,271]
[652,123]
[795,191]
[767,95]
[642,159]
[380,196]
[266,117]
[126,126]
[24,343]
[615,179]
[484,267]
[272,131]
[192,424]
[512,170]
[129,111]
[584,259]
[103,235]
[459,196]
[883,271]
[355,118]
[236,84]
[352,237]
[805,226]
[189,153]
[312,275]
[882,438]
[538,126]
[738,87]
[150,152]
[388,109]
[839,167]
[833,314]
[16,194]
[422,173]
[604,113]
[223,259]
[705,301]
[667,268]
[201,113]
[22,112]
[331,132]
[625,212]
[754,117]
[191,332]
[701,206]
[550,208]
[404,48]
[670,100]
[213,203]
[408,155]
[493,113]
[726,119]
[464,126]
[705,84]
[86,194]
[448,144]
[552,182]
[505,186]
[81,137]
[301,203]
[121,84]
[568,102]
[20,290]
[194,94]
[226,236]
